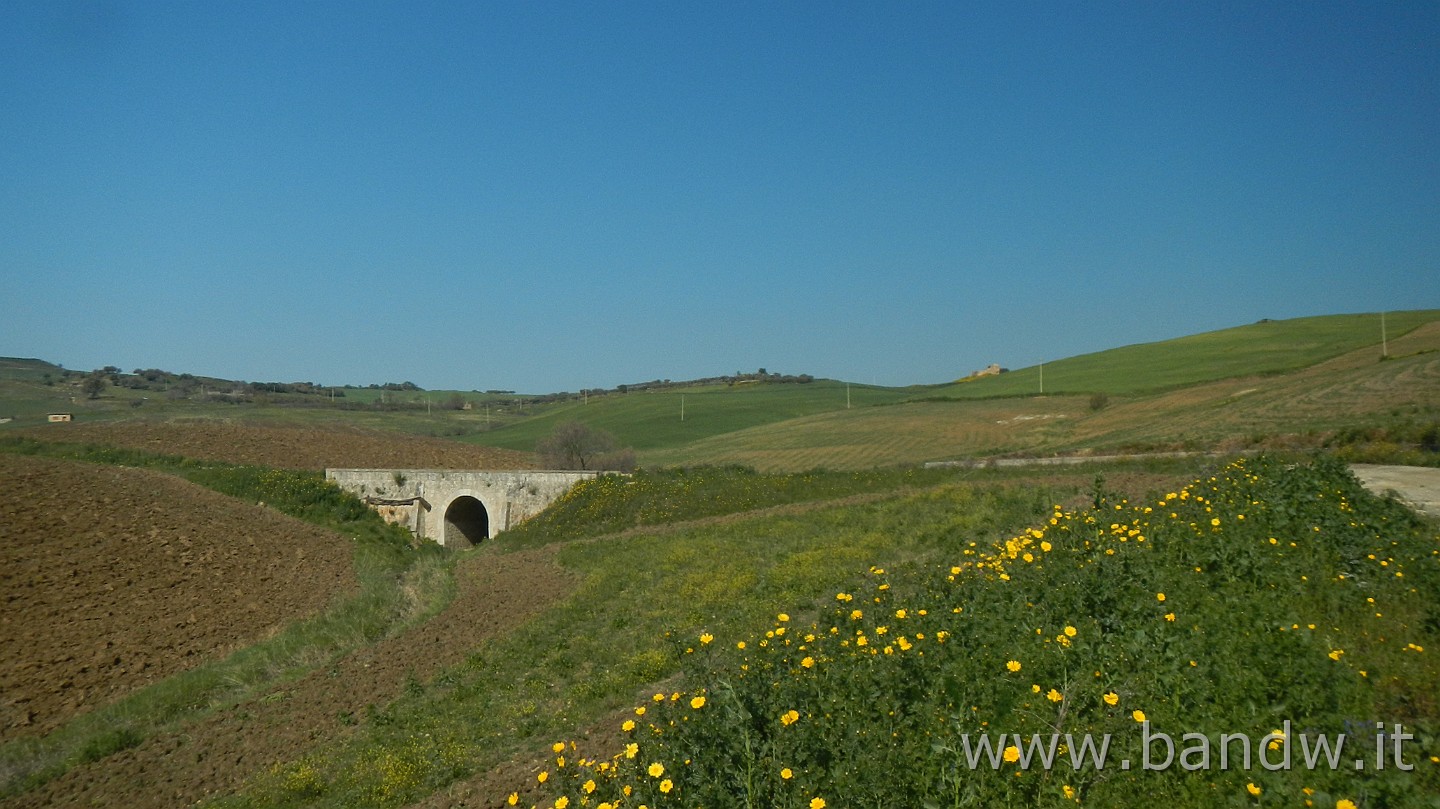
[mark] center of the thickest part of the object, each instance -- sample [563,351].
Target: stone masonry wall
[423,496]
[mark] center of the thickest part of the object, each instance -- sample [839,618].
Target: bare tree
[573,445]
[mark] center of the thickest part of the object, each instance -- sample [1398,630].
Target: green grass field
[1268,347]
[651,420]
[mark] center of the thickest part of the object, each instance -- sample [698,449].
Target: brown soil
[286,447]
[113,578]
[496,594]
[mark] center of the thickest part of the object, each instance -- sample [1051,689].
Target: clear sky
[546,196]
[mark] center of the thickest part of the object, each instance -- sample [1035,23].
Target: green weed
[1266,597]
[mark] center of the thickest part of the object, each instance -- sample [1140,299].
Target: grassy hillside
[651,420]
[1199,392]
[1267,601]
[1353,397]
[845,653]
[1255,384]
[1267,347]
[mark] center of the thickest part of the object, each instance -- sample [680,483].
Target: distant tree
[94,384]
[573,445]
[1099,401]
[454,402]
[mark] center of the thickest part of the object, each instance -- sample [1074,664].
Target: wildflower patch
[1266,596]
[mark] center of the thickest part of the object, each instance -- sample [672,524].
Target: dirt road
[1418,486]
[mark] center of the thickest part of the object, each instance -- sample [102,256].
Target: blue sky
[552,196]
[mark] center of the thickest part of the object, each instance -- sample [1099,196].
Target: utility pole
[1384,344]
[847,395]
[1042,377]
[682,407]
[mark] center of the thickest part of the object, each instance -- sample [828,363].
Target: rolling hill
[448,678]
[1267,382]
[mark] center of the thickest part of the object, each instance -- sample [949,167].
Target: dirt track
[113,578]
[1416,485]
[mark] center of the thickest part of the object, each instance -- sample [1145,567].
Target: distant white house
[59,417]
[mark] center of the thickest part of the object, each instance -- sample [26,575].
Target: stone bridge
[456,508]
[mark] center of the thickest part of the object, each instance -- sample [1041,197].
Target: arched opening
[466,523]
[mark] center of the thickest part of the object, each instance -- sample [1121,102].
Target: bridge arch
[467,522]
[458,508]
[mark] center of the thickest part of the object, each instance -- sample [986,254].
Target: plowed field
[112,578]
[496,593]
[286,447]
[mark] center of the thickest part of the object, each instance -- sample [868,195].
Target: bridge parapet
[456,508]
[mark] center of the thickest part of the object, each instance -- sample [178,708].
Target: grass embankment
[1279,603]
[660,497]
[593,653]
[398,585]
